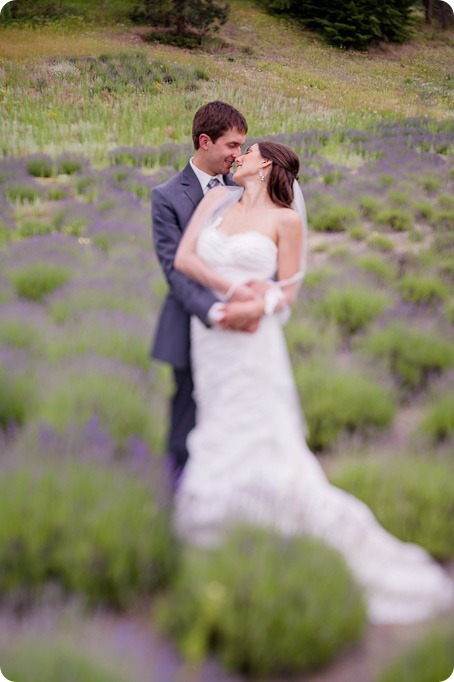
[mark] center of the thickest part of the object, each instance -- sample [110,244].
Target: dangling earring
[262,175]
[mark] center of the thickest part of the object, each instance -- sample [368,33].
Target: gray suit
[173,204]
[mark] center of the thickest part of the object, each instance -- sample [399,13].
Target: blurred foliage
[333,218]
[44,661]
[438,423]
[121,405]
[37,280]
[264,604]
[352,308]
[396,218]
[410,355]
[412,498]
[422,290]
[16,399]
[346,26]
[428,660]
[383,270]
[97,532]
[335,401]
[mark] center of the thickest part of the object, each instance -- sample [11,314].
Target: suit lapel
[191,185]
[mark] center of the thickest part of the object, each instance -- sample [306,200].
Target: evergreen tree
[350,23]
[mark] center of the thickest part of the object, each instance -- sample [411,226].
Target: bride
[249,461]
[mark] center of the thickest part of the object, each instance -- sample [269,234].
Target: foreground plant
[264,604]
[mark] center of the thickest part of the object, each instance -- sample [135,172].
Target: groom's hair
[214,119]
[284,171]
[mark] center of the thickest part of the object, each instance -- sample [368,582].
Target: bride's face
[249,164]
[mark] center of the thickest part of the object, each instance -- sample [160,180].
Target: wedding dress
[249,461]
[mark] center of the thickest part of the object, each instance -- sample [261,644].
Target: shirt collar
[204,178]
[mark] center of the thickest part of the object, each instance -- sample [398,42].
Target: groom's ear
[204,140]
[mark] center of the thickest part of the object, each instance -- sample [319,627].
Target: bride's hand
[259,287]
[243,292]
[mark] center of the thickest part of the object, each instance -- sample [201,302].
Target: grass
[284,83]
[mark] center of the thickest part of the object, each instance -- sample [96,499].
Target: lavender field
[371,341]
[93,584]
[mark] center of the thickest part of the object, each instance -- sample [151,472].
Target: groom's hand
[242,316]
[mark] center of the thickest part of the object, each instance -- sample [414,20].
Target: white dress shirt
[204,178]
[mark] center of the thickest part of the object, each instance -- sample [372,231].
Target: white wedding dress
[249,461]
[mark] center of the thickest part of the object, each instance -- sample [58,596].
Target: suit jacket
[172,205]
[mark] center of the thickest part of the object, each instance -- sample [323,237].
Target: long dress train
[249,460]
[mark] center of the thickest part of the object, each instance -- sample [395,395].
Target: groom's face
[220,155]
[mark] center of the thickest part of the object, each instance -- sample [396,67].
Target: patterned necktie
[214,182]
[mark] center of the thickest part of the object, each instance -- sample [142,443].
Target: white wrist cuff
[273,297]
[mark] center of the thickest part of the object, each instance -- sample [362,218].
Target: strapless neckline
[216,225]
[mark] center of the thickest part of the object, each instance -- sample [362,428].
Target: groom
[218,133]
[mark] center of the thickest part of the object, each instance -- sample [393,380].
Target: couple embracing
[232,249]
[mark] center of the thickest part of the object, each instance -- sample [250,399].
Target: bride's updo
[284,171]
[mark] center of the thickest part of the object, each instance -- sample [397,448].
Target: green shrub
[446,201]
[430,184]
[438,424]
[68,164]
[19,334]
[424,211]
[264,604]
[412,498]
[428,660]
[124,344]
[40,166]
[370,207]
[397,218]
[314,278]
[333,218]
[44,661]
[39,279]
[56,193]
[31,228]
[22,193]
[335,401]
[121,406]
[96,531]
[399,197]
[409,354]
[333,176]
[16,399]
[304,339]
[357,232]
[383,270]
[422,290]
[444,220]
[352,309]
[380,242]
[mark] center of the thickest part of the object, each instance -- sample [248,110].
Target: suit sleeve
[167,232]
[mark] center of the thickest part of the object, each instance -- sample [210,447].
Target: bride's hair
[284,170]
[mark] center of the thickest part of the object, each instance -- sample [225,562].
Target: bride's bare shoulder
[289,219]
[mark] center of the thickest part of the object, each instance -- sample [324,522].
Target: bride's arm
[290,246]
[187,260]
[280,295]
